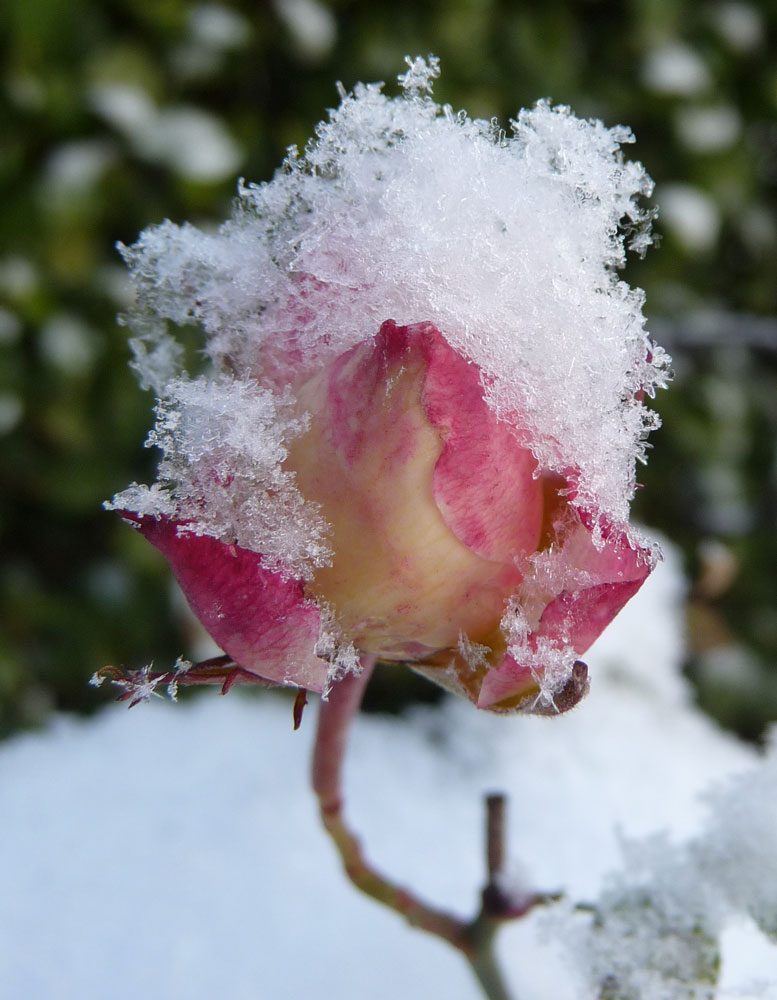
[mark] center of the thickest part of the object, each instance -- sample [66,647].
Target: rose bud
[437,515]
[448,491]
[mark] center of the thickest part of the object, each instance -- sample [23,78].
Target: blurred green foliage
[117,114]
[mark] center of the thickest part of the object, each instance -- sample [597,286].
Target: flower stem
[487,971]
[474,938]
[335,717]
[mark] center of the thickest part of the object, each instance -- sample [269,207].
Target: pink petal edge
[574,619]
[262,621]
[484,481]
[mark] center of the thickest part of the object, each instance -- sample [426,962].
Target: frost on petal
[570,593]
[260,619]
[459,483]
[571,589]
[223,442]
[509,243]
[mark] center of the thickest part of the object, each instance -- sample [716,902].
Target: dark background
[117,114]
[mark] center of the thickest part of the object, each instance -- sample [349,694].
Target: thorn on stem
[299,707]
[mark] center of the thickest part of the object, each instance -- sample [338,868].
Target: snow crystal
[475,654]
[223,445]
[656,928]
[399,208]
[550,661]
[336,649]
[740,850]
[180,668]
[137,685]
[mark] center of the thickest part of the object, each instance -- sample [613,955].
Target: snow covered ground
[173,851]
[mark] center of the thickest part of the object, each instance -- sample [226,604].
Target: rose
[450,550]
[453,494]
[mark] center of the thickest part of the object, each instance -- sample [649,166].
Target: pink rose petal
[577,617]
[261,620]
[484,481]
[430,499]
[435,512]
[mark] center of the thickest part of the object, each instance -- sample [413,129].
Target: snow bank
[174,850]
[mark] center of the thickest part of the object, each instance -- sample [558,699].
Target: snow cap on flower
[494,256]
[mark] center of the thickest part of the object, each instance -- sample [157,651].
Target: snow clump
[509,243]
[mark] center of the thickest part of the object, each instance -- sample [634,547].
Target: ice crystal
[657,926]
[509,242]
